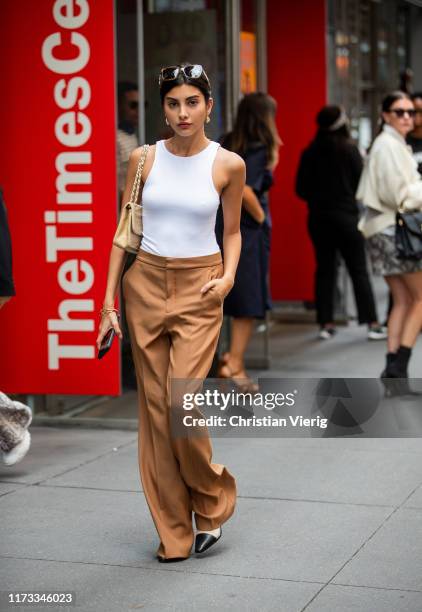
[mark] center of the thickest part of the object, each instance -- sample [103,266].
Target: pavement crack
[58,486]
[84,463]
[46,484]
[315,501]
[161,569]
[367,586]
[357,551]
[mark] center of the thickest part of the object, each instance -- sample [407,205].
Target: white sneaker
[325,333]
[377,333]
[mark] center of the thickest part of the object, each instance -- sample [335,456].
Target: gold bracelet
[105,311]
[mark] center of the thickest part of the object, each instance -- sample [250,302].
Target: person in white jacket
[390,179]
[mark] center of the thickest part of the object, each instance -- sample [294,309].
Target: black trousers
[333,233]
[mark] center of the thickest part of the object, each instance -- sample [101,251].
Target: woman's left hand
[222,286]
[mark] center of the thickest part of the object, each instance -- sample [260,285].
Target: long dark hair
[388,102]
[255,123]
[202,83]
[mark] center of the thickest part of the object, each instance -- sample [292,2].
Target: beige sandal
[243,383]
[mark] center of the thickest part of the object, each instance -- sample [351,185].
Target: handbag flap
[412,222]
[136,218]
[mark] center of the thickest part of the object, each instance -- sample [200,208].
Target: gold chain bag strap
[129,231]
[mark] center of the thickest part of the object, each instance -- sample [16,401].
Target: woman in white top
[389,180]
[174,296]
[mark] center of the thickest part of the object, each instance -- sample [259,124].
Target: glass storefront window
[367,56]
[176,31]
[171,32]
[156,33]
[365,42]
[402,37]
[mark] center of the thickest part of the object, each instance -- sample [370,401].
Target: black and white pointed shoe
[204,541]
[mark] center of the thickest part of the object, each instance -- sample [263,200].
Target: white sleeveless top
[180,203]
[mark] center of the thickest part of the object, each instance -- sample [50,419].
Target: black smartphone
[106,343]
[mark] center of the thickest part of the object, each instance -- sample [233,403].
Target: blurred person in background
[127,141]
[327,178]
[15,417]
[406,81]
[256,140]
[414,138]
[127,137]
[7,287]
[390,179]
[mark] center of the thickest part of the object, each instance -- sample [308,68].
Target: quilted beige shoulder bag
[129,230]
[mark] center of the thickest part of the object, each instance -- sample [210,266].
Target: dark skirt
[250,295]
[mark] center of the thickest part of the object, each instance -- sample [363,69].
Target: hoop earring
[166,120]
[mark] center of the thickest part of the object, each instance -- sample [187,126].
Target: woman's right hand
[252,205]
[259,216]
[108,320]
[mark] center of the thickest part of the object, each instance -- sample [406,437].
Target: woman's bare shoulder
[232,161]
[136,153]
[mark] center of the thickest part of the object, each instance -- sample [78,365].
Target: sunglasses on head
[191,71]
[400,112]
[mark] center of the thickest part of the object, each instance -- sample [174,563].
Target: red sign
[58,174]
[295,64]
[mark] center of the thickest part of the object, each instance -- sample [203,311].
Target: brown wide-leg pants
[174,331]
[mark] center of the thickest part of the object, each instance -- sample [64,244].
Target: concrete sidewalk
[322,525]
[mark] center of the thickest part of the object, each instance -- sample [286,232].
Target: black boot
[399,387]
[389,360]
[398,367]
